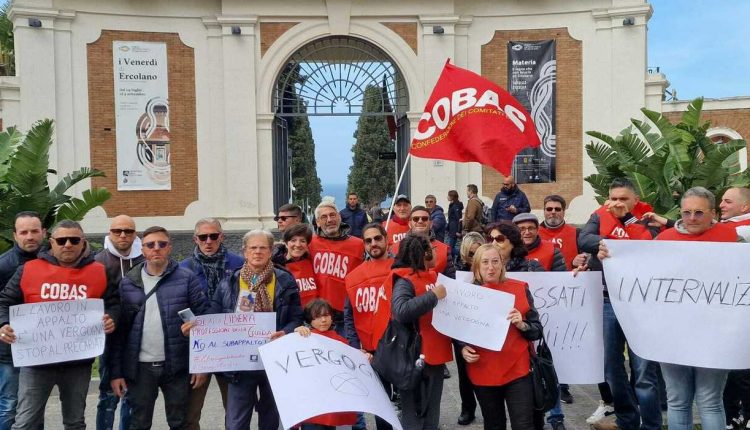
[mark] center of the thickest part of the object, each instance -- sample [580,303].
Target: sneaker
[558,425]
[565,396]
[608,422]
[602,411]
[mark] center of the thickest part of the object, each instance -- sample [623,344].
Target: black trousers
[518,395]
[465,387]
[142,395]
[736,392]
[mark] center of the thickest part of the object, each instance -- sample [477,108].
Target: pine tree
[371,178]
[307,187]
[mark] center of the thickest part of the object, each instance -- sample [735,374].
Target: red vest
[364,286]
[332,261]
[303,273]
[564,239]
[441,252]
[43,281]
[611,227]
[436,346]
[495,368]
[738,223]
[336,418]
[544,254]
[397,230]
[720,232]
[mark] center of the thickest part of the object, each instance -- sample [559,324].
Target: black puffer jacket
[10,261]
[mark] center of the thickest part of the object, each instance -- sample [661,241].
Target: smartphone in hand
[186,315]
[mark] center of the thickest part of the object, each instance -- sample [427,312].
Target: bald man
[122,251]
[509,202]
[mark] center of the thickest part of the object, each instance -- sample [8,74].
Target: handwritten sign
[229,342]
[317,375]
[682,302]
[473,314]
[570,310]
[55,332]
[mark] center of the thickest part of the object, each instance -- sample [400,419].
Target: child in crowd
[318,316]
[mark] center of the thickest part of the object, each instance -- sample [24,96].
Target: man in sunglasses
[211,262]
[420,224]
[621,217]
[544,252]
[67,271]
[288,216]
[149,351]
[28,236]
[509,202]
[122,251]
[398,226]
[554,229]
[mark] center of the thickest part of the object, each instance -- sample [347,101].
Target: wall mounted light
[236,30]
[628,21]
[438,29]
[35,23]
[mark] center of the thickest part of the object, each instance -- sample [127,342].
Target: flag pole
[398,185]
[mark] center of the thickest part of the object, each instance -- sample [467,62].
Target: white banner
[682,302]
[229,342]
[316,375]
[142,116]
[571,311]
[55,332]
[473,314]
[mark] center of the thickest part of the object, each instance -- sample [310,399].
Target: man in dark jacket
[509,202]
[69,261]
[28,235]
[122,251]
[149,351]
[211,262]
[354,216]
[437,216]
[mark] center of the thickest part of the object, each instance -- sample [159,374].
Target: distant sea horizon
[339,193]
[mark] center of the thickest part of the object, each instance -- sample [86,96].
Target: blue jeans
[8,395]
[706,386]
[105,409]
[555,414]
[635,409]
[452,241]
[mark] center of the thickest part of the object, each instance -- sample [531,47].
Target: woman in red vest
[506,237]
[415,294]
[297,261]
[502,377]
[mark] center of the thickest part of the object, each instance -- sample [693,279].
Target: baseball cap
[402,197]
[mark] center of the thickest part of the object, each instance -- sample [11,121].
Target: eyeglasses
[420,218]
[500,238]
[282,218]
[61,241]
[553,209]
[694,214]
[377,238]
[212,236]
[528,229]
[120,231]
[158,244]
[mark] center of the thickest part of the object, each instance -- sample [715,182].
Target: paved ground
[586,400]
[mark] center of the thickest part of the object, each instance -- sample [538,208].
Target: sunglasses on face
[61,241]
[120,231]
[420,218]
[158,244]
[377,238]
[500,238]
[694,214]
[555,209]
[283,218]
[204,237]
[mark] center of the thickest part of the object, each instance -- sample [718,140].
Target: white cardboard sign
[55,332]
[570,309]
[473,314]
[315,375]
[229,342]
[682,302]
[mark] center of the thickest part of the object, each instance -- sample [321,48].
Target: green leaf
[601,184]
[660,121]
[76,208]
[711,172]
[692,116]
[603,156]
[57,195]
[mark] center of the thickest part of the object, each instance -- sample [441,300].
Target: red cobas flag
[469,118]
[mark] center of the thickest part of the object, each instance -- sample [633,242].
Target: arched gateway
[328,77]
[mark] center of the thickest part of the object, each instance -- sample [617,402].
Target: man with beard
[211,263]
[509,202]
[398,226]
[554,229]
[353,215]
[420,224]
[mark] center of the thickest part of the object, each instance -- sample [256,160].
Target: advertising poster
[532,80]
[142,116]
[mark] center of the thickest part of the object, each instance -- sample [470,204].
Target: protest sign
[473,314]
[229,342]
[54,332]
[682,302]
[570,309]
[316,375]
[462,276]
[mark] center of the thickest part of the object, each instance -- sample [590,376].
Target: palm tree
[24,172]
